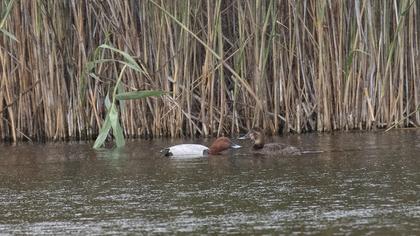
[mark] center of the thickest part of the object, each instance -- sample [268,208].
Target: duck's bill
[235,146]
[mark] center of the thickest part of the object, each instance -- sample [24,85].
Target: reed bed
[285,65]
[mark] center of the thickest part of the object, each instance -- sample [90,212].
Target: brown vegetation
[283,65]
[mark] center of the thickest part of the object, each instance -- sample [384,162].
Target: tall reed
[287,66]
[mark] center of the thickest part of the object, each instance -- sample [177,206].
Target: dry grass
[289,66]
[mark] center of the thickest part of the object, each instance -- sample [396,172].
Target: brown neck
[257,146]
[213,152]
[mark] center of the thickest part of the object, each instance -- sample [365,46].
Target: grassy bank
[290,66]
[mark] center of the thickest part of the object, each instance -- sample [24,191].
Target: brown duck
[273,149]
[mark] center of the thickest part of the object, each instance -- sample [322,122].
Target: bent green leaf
[11,36]
[130,60]
[103,133]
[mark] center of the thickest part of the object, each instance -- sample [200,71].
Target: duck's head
[257,136]
[221,144]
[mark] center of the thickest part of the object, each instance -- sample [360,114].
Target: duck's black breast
[166,152]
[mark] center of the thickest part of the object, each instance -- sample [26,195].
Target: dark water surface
[364,183]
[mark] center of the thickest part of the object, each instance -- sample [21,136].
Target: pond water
[363,183]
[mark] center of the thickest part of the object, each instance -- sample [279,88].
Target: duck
[197,150]
[277,149]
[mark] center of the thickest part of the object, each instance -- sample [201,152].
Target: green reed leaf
[103,133]
[129,59]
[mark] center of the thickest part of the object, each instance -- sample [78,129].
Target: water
[363,183]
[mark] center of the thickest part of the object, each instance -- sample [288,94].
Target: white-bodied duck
[196,150]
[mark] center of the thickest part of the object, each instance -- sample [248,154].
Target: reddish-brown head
[221,144]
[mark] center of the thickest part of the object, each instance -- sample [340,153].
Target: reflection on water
[362,183]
